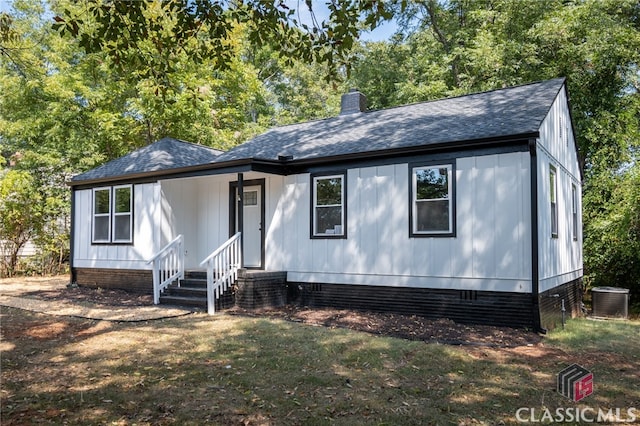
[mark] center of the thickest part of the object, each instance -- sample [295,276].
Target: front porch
[253,289]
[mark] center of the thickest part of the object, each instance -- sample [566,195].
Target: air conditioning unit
[610,302]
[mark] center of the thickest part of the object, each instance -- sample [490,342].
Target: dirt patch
[57,289]
[92,295]
[411,327]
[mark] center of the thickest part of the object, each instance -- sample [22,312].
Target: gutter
[287,164]
[535,273]
[416,149]
[245,164]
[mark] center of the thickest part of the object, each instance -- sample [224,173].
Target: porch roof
[158,157]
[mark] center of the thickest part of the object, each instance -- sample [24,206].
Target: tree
[149,34]
[67,111]
[295,91]
[19,201]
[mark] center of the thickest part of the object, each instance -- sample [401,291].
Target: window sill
[432,235]
[328,237]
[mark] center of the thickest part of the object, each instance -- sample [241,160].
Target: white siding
[560,259]
[146,214]
[491,250]
[199,211]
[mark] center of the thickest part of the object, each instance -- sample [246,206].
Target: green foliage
[35,205]
[19,215]
[294,90]
[612,227]
[148,35]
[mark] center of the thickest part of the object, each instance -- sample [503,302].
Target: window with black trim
[553,200]
[432,199]
[113,214]
[328,206]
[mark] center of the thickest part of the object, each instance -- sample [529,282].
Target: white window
[101,215]
[122,222]
[112,214]
[328,208]
[553,199]
[432,199]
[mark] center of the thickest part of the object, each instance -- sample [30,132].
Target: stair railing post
[221,272]
[156,283]
[168,265]
[211,308]
[181,258]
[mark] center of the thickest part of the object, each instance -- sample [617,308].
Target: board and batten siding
[198,208]
[491,250]
[559,258]
[146,239]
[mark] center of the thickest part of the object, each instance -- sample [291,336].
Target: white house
[467,208]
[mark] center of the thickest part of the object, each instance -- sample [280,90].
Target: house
[467,208]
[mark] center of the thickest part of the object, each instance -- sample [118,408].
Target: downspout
[72,234]
[240,211]
[535,278]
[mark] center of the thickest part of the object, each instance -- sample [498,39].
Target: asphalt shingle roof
[499,113]
[514,111]
[165,154]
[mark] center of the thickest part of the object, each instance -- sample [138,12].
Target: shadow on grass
[235,370]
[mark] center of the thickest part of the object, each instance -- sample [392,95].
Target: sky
[383,32]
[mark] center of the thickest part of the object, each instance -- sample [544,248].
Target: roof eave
[423,149]
[221,166]
[281,166]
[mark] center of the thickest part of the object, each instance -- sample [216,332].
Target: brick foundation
[136,281]
[551,304]
[260,289]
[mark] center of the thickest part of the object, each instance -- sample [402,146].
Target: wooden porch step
[187,290]
[192,292]
[189,301]
[198,274]
[192,283]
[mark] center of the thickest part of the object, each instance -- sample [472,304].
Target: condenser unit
[610,302]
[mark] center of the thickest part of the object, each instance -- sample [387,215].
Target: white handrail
[224,245]
[222,269]
[168,266]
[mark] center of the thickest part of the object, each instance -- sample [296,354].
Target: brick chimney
[351,102]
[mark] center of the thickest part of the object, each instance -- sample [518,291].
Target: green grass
[614,336]
[236,370]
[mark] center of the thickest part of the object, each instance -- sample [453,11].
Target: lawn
[238,370]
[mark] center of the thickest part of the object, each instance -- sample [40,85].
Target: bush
[612,233]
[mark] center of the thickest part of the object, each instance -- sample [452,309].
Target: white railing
[222,269]
[168,266]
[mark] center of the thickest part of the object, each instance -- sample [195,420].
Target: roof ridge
[170,138]
[412,104]
[499,89]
